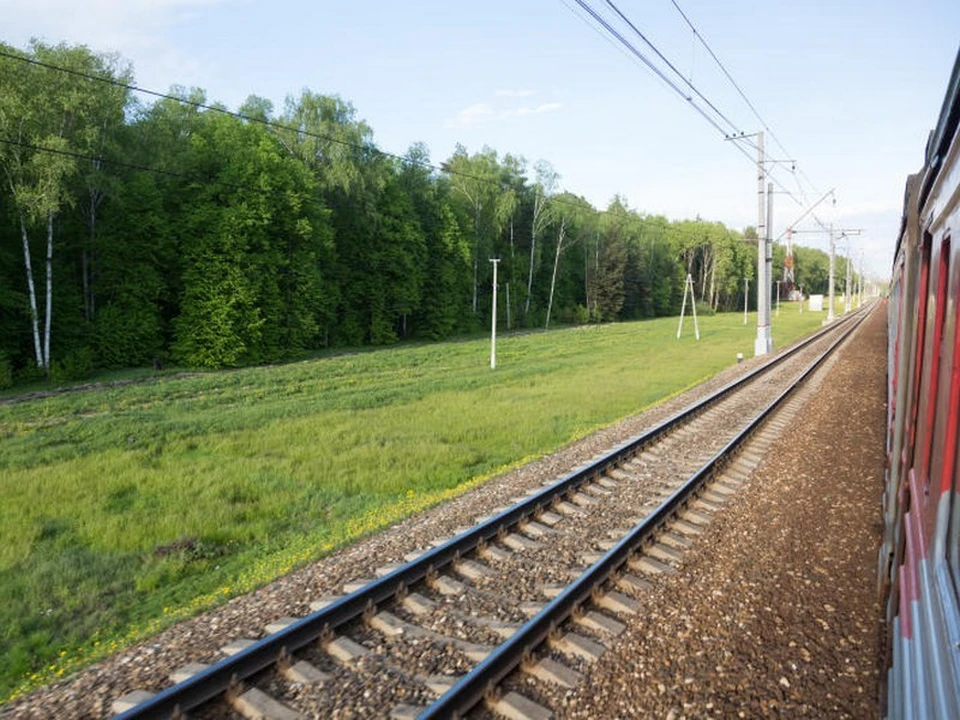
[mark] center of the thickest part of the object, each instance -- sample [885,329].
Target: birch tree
[543,188]
[43,113]
[475,180]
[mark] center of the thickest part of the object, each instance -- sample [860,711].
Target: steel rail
[220,677]
[480,682]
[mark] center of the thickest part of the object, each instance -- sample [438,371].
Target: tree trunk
[34,315]
[476,253]
[537,209]
[48,311]
[508,307]
[556,262]
[513,264]
[85,259]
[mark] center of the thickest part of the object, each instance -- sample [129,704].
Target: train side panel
[920,558]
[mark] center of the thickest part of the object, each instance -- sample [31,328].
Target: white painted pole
[830,316]
[778,297]
[493,323]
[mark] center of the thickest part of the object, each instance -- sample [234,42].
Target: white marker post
[688,287]
[493,323]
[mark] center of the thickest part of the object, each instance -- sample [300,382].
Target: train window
[950,474]
[943,282]
[921,333]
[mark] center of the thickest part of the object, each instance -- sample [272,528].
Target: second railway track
[539,587]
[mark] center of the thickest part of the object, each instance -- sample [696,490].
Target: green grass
[125,509]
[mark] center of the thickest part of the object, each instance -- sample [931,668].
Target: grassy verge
[128,508]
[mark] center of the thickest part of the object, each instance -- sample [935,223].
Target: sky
[847,90]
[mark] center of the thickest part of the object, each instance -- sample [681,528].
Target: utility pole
[860,285]
[493,324]
[764,342]
[830,316]
[847,298]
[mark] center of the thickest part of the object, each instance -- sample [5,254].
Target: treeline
[134,233]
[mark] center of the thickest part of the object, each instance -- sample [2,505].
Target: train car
[919,564]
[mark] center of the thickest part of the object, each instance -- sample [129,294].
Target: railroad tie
[550,671]
[599,623]
[346,650]
[316,605]
[304,673]
[236,646]
[185,672]
[515,706]
[255,704]
[618,603]
[576,645]
[418,604]
[130,701]
[406,712]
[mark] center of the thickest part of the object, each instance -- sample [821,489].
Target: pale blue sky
[851,89]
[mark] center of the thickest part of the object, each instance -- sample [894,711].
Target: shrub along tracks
[459,617]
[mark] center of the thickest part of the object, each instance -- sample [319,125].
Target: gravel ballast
[775,612]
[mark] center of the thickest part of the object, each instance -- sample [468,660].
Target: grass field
[125,509]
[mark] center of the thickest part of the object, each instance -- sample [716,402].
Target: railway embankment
[776,611]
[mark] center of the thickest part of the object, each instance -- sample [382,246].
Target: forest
[140,228]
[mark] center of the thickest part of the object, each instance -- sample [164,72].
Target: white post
[764,341]
[778,297]
[830,316]
[847,298]
[860,286]
[493,323]
[688,287]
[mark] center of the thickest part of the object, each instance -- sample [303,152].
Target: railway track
[538,588]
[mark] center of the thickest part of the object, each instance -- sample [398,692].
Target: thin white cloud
[484,114]
[139,30]
[526,110]
[474,115]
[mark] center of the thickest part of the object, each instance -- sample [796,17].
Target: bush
[6,372]
[77,365]
[704,309]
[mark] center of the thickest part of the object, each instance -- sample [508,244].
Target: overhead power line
[756,113]
[633,50]
[733,127]
[441,168]
[708,109]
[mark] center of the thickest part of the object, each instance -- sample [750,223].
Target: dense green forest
[178,231]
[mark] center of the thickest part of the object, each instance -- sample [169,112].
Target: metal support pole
[833,249]
[860,288]
[493,323]
[847,297]
[764,341]
[761,345]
